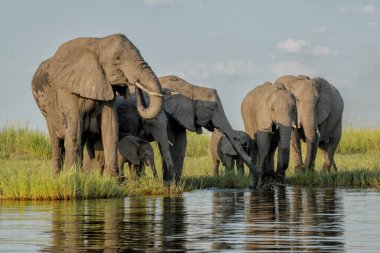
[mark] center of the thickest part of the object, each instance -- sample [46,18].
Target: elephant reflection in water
[87,225]
[290,217]
[134,224]
[226,208]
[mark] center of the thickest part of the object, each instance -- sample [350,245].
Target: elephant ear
[226,146]
[78,71]
[128,147]
[182,109]
[323,107]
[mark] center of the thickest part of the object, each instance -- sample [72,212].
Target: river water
[269,220]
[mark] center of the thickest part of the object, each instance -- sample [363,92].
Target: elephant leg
[297,151]
[215,164]
[327,163]
[240,166]
[109,128]
[58,151]
[133,170]
[73,140]
[177,136]
[334,165]
[263,145]
[270,165]
[120,162]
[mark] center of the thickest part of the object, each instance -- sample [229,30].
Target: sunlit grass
[25,169]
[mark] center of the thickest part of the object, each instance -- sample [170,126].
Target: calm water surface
[279,219]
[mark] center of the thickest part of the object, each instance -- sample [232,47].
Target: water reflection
[273,219]
[301,219]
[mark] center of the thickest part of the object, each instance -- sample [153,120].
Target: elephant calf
[269,115]
[137,152]
[223,151]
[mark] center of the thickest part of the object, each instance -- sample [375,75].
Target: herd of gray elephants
[99,95]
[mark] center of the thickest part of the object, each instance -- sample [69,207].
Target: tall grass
[25,171]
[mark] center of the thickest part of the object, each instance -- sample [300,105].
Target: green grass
[25,171]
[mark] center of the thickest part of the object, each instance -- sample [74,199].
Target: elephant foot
[326,168]
[280,175]
[300,168]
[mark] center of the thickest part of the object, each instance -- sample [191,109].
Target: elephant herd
[96,119]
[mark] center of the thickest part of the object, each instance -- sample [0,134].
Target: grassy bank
[25,171]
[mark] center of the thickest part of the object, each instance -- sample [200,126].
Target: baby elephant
[222,151]
[137,152]
[269,114]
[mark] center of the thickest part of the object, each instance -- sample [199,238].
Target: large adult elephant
[269,114]
[192,108]
[319,112]
[78,83]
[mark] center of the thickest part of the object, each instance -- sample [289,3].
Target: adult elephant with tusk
[269,114]
[192,107]
[319,112]
[78,84]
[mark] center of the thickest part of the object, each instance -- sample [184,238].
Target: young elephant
[222,151]
[137,152]
[269,115]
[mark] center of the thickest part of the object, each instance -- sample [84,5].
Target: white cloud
[152,3]
[292,68]
[368,8]
[201,70]
[304,47]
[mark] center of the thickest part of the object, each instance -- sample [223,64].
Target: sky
[232,46]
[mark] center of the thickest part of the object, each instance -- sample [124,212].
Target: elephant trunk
[220,121]
[284,149]
[310,130]
[147,81]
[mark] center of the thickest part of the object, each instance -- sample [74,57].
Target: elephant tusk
[299,124]
[294,126]
[170,143]
[147,91]
[318,133]
[167,92]
[276,127]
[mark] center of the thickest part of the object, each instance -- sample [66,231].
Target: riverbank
[25,171]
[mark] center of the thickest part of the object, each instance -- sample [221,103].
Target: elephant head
[137,151]
[306,92]
[96,68]
[244,140]
[195,107]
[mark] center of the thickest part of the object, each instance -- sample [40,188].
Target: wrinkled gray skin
[223,152]
[131,123]
[138,153]
[192,108]
[269,114]
[78,84]
[319,108]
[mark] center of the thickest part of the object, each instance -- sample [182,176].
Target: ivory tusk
[170,143]
[318,133]
[299,124]
[147,91]
[294,126]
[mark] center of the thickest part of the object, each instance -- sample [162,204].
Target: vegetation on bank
[25,171]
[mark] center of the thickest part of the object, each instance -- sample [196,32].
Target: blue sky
[232,46]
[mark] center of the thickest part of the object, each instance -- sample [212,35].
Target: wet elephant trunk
[220,121]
